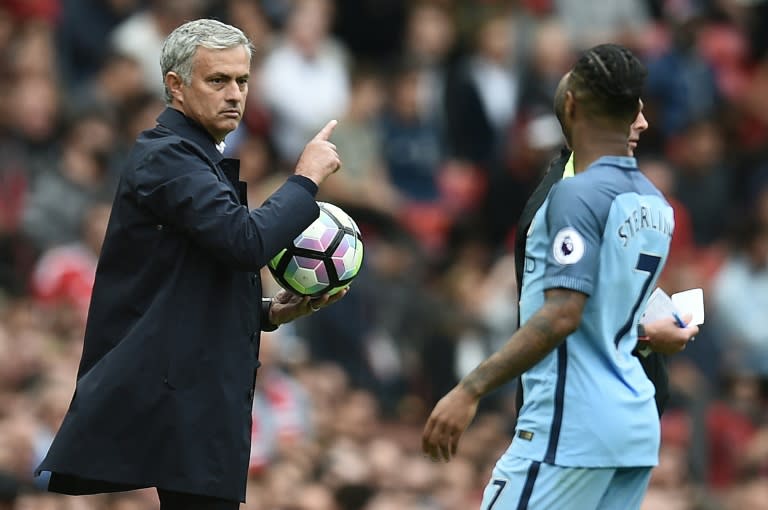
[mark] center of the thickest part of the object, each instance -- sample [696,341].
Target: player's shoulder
[644,186]
[589,194]
[589,188]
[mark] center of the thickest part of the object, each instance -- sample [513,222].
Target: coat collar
[187,128]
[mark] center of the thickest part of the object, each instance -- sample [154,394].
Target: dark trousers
[179,501]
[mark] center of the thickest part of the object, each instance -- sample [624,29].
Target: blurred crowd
[446,126]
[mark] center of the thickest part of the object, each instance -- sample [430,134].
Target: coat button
[158,227]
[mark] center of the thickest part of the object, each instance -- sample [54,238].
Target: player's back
[605,233]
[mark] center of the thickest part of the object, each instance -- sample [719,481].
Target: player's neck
[590,145]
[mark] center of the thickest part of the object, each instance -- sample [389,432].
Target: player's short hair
[180,46]
[609,79]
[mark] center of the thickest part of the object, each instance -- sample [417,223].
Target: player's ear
[569,105]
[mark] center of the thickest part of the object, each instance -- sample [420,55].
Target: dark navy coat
[165,385]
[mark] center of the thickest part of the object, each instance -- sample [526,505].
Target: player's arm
[541,334]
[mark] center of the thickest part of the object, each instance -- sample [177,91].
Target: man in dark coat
[165,384]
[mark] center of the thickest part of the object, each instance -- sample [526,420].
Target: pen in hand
[678,320]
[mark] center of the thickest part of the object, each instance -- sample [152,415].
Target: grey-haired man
[165,384]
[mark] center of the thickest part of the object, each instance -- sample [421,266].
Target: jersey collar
[625,162]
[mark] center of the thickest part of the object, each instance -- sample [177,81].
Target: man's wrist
[266,311]
[305,182]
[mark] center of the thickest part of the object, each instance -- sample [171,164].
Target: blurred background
[446,126]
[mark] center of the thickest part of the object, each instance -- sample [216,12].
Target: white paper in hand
[690,301]
[660,306]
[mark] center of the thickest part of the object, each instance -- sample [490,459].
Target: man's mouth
[233,114]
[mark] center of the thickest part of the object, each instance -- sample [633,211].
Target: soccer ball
[322,259]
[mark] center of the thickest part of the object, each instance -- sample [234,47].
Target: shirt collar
[187,128]
[625,162]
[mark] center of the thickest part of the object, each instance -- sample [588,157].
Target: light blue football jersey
[606,233]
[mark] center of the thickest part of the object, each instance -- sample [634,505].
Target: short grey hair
[180,46]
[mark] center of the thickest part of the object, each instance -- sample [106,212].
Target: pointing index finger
[325,133]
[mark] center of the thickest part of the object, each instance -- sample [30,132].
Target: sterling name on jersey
[606,233]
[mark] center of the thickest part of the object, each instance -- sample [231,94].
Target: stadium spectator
[116,83]
[63,276]
[304,77]
[430,42]
[60,196]
[365,183]
[740,295]
[141,34]
[702,181]
[589,22]
[82,53]
[482,97]
[736,432]
[681,83]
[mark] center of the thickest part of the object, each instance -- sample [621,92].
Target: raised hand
[319,158]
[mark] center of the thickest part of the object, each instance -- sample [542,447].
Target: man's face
[559,106]
[639,125]
[215,96]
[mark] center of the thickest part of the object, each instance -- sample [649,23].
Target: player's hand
[666,337]
[448,421]
[287,306]
[319,158]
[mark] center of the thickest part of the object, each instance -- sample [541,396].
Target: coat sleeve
[182,190]
[551,176]
[655,367]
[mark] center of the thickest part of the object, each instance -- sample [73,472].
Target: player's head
[608,81]
[205,66]
[603,87]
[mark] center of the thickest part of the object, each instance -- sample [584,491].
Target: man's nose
[642,123]
[233,91]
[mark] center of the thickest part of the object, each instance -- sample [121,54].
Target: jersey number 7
[646,263]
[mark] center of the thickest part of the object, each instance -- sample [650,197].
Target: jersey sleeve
[576,228]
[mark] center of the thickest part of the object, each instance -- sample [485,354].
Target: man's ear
[174,85]
[569,105]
